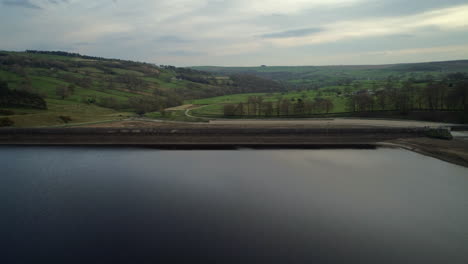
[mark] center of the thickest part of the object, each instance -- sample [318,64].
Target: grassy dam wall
[212,137]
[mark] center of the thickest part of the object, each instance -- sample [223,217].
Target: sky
[241,32]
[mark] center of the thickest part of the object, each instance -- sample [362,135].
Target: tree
[322,105]
[109,102]
[132,82]
[308,107]
[110,84]
[20,98]
[240,109]
[3,87]
[328,105]
[26,85]
[364,102]
[254,104]
[457,97]
[229,110]
[351,104]
[268,108]
[391,93]
[279,97]
[409,89]
[434,92]
[19,70]
[259,102]
[71,88]
[403,101]
[173,99]
[65,119]
[6,122]
[84,82]
[419,98]
[299,107]
[146,104]
[251,105]
[284,107]
[62,91]
[381,96]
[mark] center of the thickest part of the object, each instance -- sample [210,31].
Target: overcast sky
[241,32]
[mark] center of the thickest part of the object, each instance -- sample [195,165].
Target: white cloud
[444,19]
[261,7]
[457,49]
[92,32]
[388,56]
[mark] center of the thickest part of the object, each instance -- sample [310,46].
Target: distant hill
[320,76]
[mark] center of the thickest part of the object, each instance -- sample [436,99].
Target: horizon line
[251,66]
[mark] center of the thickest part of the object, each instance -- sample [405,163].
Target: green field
[79,113]
[213,107]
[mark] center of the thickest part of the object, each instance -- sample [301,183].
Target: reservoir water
[110,205]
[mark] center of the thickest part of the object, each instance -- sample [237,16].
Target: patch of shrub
[14,98]
[65,119]
[440,133]
[6,112]
[6,122]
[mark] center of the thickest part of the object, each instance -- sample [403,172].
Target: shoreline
[454,151]
[233,137]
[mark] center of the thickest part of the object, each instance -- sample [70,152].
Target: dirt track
[319,123]
[333,122]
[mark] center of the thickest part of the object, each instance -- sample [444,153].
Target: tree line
[448,93]
[19,98]
[65,54]
[258,106]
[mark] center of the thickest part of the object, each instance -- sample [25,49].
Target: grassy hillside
[89,89]
[79,113]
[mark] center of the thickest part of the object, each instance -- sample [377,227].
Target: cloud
[184,53]
[170,39]
[57,1]
[81,44]
[261,7]
[444,49]
[91,32]
[229,32]
[21,3]
[453,18]
[438,53]
[33,4]
[293,33]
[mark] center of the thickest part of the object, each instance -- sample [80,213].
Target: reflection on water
[282,206]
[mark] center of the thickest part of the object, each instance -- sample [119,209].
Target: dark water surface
[88,205]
